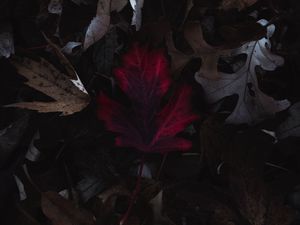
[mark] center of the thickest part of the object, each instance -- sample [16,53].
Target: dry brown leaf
[99,25]
[64,212]
[209,54]
[236,4]
[69,95]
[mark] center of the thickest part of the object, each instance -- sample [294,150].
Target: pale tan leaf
[99,25]
[45,78]
[209,54]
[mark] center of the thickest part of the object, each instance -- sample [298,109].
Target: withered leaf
[69,95]
[63,212]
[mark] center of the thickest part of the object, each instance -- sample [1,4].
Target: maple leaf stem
[134,193]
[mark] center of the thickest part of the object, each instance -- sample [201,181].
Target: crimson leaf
[145,79]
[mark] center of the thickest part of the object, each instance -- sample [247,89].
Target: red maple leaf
[145,79]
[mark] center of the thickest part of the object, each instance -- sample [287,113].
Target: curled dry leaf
[99,25]
[45,78]
[64,212]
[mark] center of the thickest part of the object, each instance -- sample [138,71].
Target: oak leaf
[253,105]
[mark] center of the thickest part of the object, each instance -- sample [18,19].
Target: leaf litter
[149,112]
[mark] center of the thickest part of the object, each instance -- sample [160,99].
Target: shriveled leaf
[137,6]
[253,105]
[99,25]
[45,78]
[63,212]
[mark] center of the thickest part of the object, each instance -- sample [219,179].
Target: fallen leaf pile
[145,112]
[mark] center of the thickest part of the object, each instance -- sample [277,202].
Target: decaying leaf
[45,78]
[137,6]
[99,25]
[236,4]
[253,105]
[63,212]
